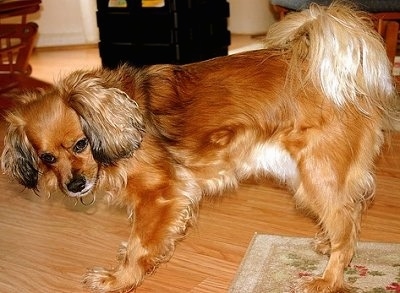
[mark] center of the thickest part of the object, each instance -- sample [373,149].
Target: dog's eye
[48,158]
[81,145]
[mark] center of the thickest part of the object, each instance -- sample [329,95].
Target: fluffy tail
[340,52]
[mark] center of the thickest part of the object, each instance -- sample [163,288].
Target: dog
[308,109]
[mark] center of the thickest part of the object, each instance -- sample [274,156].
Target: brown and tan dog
[308,110]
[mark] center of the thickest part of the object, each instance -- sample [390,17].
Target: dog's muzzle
[78,186]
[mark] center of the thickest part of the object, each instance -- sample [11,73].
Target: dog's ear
[19,160]
[110,119]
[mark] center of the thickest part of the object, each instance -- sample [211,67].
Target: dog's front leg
[160,220]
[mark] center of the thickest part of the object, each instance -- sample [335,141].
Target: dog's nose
[77,184]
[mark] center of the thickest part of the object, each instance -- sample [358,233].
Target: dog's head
[61,137]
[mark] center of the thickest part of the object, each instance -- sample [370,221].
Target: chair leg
[391,37]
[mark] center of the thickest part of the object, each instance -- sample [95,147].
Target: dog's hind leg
[341,226]
[326,194]
[160,220]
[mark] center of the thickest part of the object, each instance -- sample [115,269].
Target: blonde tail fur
[340,52]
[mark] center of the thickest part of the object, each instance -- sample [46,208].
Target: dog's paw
[98,279]
[101,280]
[317,285]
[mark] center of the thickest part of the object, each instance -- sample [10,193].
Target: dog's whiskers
[36,191]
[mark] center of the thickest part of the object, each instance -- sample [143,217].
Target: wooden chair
[387,24]
[16,44]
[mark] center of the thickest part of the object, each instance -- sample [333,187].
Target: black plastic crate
[159,29]
[114,54]
[181,31]
[218,7]
[125,27]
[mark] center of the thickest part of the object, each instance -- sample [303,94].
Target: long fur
[308,110]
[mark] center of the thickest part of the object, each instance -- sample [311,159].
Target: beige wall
[66,22]
[250,17]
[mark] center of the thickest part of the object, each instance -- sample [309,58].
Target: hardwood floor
[46,244]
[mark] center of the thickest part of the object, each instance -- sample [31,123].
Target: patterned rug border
[272,263]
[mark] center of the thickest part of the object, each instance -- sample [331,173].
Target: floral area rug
[273,263]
